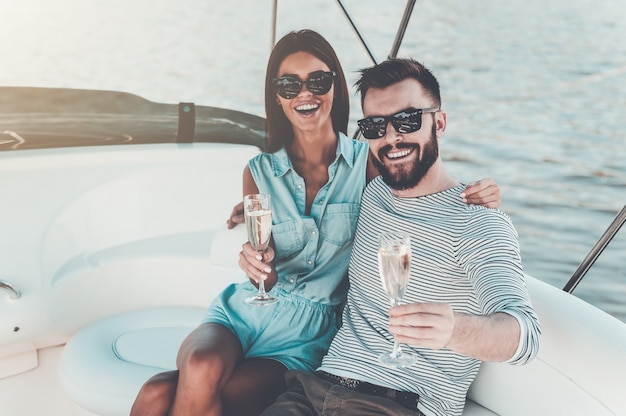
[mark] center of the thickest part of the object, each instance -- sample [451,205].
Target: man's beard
[402,177]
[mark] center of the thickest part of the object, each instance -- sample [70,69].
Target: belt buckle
[348,383]
[345,382]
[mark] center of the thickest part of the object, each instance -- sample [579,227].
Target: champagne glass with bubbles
[394,263]
[257,210]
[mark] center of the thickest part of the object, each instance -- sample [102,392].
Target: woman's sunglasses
[289,86]
[405,121]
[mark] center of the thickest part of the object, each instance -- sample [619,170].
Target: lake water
[535,91]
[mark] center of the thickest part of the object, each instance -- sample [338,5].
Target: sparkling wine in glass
[394,263]
[257,210]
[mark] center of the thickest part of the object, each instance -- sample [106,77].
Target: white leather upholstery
[105,364]
[582,350]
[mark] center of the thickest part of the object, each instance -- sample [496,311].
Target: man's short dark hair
[395,70]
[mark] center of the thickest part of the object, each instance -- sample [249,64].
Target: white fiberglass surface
[108,221]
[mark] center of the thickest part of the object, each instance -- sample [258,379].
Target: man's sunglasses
[405,121]
[289,86]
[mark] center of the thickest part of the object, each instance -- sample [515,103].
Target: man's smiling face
[402,159]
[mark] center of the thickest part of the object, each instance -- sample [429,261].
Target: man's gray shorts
[311,394]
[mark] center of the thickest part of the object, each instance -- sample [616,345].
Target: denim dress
[312,256]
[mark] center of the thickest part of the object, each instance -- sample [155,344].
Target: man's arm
[249,187]
[507,329]
[493,337]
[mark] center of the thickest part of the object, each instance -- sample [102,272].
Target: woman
[234,362]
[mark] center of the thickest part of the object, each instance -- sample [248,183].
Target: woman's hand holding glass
[258,266]
[258,217]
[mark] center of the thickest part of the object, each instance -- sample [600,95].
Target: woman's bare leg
[253,386]
[206,360]
[156,395]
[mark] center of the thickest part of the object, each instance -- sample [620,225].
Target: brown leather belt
[406,399]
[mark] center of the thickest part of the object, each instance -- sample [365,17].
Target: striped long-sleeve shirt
[464,255]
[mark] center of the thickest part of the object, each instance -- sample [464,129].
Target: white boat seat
[105,364]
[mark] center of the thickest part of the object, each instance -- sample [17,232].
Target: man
[466,300]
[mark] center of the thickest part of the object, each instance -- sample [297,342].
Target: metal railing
[595,252]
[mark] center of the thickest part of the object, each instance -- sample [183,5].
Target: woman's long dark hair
[279,129]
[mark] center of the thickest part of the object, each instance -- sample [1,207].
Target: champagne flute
[394,262]
[257,211]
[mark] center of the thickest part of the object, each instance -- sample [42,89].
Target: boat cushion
[104,365]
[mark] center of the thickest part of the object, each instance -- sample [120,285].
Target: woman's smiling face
[307,112]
